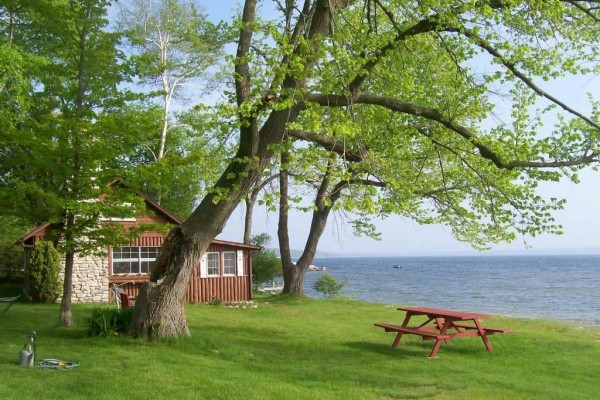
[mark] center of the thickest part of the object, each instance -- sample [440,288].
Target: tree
[11,253]
[266,266]
[61,149]
[197,150]
[43,283]
[328,286]
[173,48]
[345,58]
[250,202]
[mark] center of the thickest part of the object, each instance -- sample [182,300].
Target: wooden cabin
[224,272]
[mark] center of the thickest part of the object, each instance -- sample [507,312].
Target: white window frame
[233,267]
[138,260]
[240,262]
[208,264]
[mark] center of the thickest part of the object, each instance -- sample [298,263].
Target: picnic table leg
[399,335]
[397,340]
[438,342]
[436,348]
[440,325]
[483,335]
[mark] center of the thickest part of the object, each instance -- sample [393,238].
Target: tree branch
[586,11]
[432,114]
[425,25]
[516,72]
[242,69]
[330,144]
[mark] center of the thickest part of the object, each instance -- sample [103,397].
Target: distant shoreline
[541,253]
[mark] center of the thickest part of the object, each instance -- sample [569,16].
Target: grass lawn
[290,348]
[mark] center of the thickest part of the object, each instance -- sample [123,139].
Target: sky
[399,236]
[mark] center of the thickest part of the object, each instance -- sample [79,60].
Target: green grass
[290,348]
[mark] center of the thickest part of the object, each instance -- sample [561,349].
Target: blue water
[563,288]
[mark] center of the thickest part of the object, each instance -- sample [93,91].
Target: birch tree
[174,52]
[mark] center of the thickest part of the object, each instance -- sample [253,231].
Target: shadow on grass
[385,349]
[419,349]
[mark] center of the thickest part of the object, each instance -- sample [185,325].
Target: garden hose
[50,363]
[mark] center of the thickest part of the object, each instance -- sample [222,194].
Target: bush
[328,286]
[109,321]
[266,266]
[215,301]
[44,265]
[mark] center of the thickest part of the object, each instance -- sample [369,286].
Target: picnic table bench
[447,325]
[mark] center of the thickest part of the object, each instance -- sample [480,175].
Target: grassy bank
[298,349]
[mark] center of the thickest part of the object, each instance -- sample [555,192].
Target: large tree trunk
[293,278]
[159,308]
[65,316]
[293,274]
[250,202]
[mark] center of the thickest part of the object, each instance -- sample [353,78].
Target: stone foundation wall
[90,279]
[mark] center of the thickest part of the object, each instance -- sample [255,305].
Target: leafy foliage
[44,265]
[11,254]
[328,286]
[108,321]
[12,264]
[266,266]
[172,47]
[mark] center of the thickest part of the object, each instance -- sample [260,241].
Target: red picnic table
[446,325]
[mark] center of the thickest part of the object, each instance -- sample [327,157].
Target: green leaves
[43,283]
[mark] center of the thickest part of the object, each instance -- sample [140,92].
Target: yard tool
[27,355]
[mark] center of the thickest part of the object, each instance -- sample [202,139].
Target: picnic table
[442,326]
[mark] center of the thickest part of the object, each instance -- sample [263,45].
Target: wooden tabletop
[439,312]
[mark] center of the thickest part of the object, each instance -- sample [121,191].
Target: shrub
[266,266]
[44,284]
[109,321]
[215,301]
[328,286]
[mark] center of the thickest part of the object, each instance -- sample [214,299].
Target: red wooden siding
[148,239]
[227,288]
[200,290]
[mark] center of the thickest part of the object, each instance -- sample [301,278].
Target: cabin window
[212,261]
[233,264]
[133,259]
[229,263]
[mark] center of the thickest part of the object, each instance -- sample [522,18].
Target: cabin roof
[42,229]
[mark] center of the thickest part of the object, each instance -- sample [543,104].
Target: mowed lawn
[297,348]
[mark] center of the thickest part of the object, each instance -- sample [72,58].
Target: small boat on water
[312,267]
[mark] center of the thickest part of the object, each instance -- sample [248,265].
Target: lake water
[563,288]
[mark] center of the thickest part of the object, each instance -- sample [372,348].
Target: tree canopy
[395,86]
